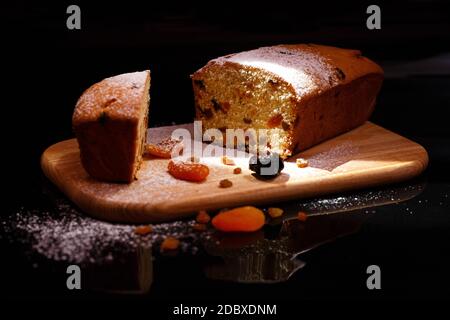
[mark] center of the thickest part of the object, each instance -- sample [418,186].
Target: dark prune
[286,126]
[273,83]
[220,106]
[340,74]
[200,84]
[102,118]
[207,113]
[216,105]
[289,53]
[266,166]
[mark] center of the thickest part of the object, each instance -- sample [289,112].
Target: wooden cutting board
[366,156]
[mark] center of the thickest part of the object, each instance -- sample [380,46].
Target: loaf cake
[300,94]
[110,123]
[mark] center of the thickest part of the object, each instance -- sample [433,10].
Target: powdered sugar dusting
[65,234]
[305,69]
[334,157]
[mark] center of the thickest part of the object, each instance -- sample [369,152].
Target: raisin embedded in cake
[110,123]
[301,94]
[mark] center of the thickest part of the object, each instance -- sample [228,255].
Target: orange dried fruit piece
[237,170]
[143,230]
[275,212]
[302,216]
[203,217]
[242,219]
[164,149]
[275,121]
[170,243]
[188,171]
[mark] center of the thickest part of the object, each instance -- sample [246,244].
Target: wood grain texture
[366,156]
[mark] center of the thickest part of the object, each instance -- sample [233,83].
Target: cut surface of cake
[110,123]
[299,94]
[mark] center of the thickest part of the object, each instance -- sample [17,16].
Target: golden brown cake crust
[315,92]
[108,121]
[118,97]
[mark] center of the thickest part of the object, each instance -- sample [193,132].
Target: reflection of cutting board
[366,156]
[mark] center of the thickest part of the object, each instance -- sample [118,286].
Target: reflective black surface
[402,228]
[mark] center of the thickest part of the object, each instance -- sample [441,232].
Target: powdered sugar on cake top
[304,69]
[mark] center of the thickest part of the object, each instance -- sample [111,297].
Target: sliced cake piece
[110,123]
[301,94]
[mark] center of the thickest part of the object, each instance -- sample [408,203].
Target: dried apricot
[242,219]
[189,171]
[164,148]
[275,121]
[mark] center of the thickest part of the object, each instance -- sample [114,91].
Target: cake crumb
[203,217]
[237,170]
[228,161]
[301,163]
[170,243]
[199,227]
[143,230]
[225,183]
[275,212]
[302,216]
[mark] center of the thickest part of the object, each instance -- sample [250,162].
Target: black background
[46,67]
